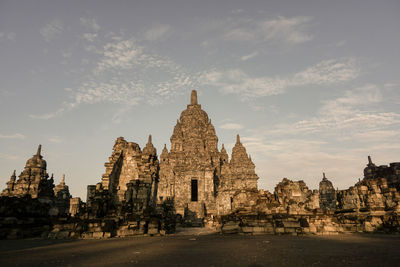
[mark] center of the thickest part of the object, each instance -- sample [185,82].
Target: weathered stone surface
[195,174]
[33,180]
[327,194]
[193,184]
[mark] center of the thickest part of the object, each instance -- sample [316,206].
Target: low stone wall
[317,224]
[109,227]
[24,217]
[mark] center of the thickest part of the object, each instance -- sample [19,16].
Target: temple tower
[32,181]
[190,173]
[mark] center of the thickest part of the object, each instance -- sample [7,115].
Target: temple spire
[193,98]
[149,139]
[238,139]
[39,150]
[369,160]
[13,176]
[63,179]
[323,176]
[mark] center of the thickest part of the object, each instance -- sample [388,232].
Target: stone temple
[194,183]
[198,176]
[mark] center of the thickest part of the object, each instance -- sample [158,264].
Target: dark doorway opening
[194,190]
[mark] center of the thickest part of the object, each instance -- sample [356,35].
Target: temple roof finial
[63,179]
[238,139]
[149,139]
[369,160]
[14,173]
[39,150]
[323,176]
[193,98]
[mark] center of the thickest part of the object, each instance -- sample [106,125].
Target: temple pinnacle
[237,139]
[149,139]
[63,179]
[39,150]
[323,176]
[369,160]
[193,98]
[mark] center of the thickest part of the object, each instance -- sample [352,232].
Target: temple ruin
[194,183]
[196,174]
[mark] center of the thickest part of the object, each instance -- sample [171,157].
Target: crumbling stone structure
[371,205]
[195,184]
[62,197]
[124,202]
[327,194]
[28,204]
[195,174]
[33,180]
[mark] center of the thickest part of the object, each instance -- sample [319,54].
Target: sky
[310,86]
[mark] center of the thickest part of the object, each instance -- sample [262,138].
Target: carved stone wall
[32,181]
[194,159]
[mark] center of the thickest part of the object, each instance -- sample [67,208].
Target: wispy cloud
[231,126]
[277,30]
[238,82]
[90,24]
[157,32]
[52,30]
[55,140]
[50,115]
[12,136]
[7,36]
[8,156]
[127,74]
[249,56]
[90,37]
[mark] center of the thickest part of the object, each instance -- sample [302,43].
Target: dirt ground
[206,250]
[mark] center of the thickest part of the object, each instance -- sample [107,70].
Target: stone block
[230,228]
[291,224]
[98,234]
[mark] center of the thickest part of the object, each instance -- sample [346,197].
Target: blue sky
[310,86]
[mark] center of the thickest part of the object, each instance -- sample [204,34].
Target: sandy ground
[206,249]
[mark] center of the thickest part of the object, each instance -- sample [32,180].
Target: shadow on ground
[207,250]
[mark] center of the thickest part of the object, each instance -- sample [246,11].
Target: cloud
[12,136]
[238,82]
[273,31]
[336,140]
[52,30]
[126,74]
[48,116]
[231,126]
[281,29]
[328,72]
[157,32]
[120,55]
[305,160]
[9,36]
[356,115]
[90,24]
[90,37]
[8,156]
[249,56]
[55,140]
